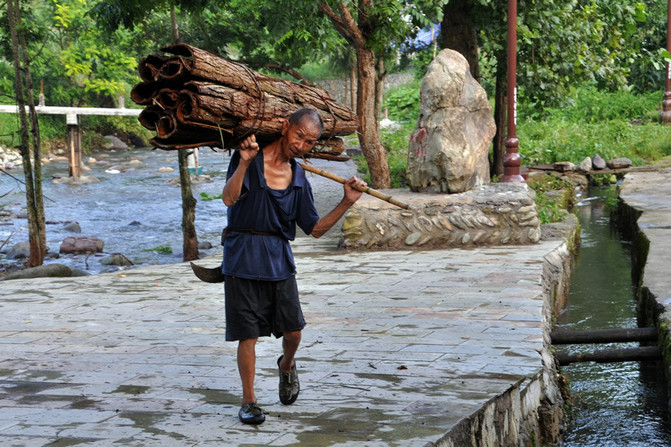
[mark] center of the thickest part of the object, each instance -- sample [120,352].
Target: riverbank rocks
[116,259]
[598,162]
[82,180]
[449,148]
[619,163]
[10,158]
[45,271]
[492,214]
[585,165]
[563,166]
[19,251]
[81,245]
[72,227]
[114,143]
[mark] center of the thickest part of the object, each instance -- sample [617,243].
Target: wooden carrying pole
[366,190]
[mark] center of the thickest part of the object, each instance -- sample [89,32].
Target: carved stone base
[492,214]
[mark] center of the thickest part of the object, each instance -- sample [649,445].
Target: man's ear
[285,127]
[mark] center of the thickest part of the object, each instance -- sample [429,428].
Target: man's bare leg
[247,368]
[290,342]
[289,384]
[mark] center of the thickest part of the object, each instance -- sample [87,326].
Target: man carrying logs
[267,195]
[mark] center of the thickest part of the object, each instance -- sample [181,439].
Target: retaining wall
[491,214]
[645,213]
[339,88]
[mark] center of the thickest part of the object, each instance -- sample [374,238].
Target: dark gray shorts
[260,308]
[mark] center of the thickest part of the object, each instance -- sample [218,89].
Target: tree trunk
[379,91]
[459,35]
[372,149]
[190,242]
[40,220]
[189,235]
[352,87]
[500,114]
[35,236]
[355,31]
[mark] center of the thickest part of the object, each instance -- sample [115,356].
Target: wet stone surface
[400,347]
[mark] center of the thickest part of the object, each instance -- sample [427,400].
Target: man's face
[299,138]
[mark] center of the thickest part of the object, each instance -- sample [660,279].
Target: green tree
[372,28]
[560,44]
[77,62]
[32,172]
[120,14]
[293,31]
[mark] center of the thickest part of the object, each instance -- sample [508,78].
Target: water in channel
[616,404]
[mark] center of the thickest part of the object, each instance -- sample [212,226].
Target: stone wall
[339,87]
[492,214]
[644,216]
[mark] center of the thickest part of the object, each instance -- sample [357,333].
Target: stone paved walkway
[399,347]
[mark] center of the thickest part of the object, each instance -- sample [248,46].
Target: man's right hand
[249,148]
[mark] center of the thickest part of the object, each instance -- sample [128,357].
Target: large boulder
[449,148]
[81,245]
[114,143]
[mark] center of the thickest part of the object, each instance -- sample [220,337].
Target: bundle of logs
[194,98]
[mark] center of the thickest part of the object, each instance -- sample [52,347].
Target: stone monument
[449,149]
[453,203]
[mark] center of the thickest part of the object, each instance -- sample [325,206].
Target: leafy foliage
[209,197]
[403,102]
[562,44]
[549,209]
[619,124]
[77,61]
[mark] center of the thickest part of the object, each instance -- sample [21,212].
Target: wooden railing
[73,120]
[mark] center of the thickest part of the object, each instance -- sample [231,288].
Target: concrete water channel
[616,403]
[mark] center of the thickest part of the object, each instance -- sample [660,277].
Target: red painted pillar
[665,116]
[511,159]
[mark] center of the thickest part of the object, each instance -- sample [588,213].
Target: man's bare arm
[249,148]
[350,197]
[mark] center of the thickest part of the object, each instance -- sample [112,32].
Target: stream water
[616,404]
[135,208]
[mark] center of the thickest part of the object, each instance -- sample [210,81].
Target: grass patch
[553,197]
[162,249]
[620,124]
[205,197]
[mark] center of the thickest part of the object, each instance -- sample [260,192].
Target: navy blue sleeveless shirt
[265,220]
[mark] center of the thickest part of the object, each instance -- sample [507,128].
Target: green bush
[52,127]
[396,144]
[403,102]
[205,197]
